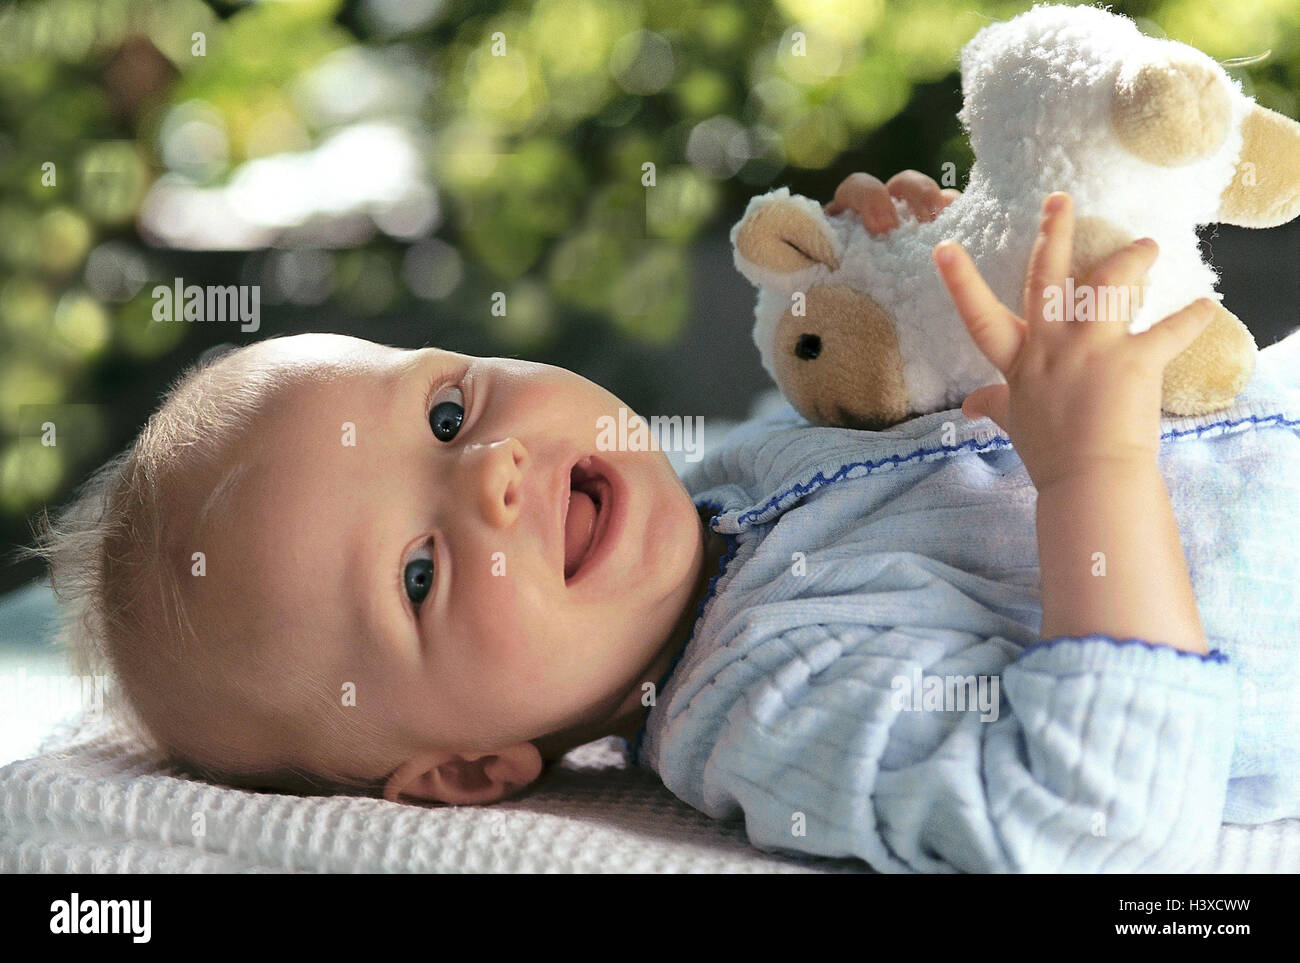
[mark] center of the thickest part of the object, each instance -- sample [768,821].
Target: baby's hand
[871,199]
[1077,390]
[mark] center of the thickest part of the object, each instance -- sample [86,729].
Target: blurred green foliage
[533,125]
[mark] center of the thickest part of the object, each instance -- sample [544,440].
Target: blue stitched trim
[844,469]
[1215,656]
[974,445]
[723,559]
[1275,419]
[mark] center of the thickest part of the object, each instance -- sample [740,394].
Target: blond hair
[186,686]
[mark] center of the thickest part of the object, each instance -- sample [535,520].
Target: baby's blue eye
[418,579]
[445,418]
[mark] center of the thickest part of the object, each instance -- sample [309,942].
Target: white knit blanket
[94,801]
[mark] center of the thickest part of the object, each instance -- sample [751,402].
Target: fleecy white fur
[1037,92]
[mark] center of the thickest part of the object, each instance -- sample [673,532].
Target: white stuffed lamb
[1150,137]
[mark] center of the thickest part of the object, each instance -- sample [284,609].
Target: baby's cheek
[506,616]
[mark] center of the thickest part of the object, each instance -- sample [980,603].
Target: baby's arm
[1108,546]
[1117,516]
[1082,408]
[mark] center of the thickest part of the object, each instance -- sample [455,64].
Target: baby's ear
[462,779]
[781,236]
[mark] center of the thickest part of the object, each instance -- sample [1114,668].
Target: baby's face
[424,560]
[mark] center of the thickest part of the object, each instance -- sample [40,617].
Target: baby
[327,563]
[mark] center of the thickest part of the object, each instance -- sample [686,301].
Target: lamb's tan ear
[1265,190]
[782,235]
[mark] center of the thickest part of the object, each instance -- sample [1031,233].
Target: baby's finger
[1166,339]
[991,401]
[949,194]
[867,196]
[920,193]
[1050,259]
[996,331]
[1122,268]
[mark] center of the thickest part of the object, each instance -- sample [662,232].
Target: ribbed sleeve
[1105,756]
[1116,758]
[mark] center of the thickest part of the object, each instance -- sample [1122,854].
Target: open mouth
[586,518]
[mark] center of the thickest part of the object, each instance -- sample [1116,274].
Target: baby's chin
[672,489]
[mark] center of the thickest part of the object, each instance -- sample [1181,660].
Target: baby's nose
[496,476]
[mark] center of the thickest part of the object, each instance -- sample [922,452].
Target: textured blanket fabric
[98,804]
[94,803]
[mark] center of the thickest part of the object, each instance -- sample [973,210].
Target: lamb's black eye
[418,579]
[808,347]
[445,417]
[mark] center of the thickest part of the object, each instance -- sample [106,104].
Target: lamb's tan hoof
[1212,370]
[1265,190]
[1096,239]
[1170,112]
